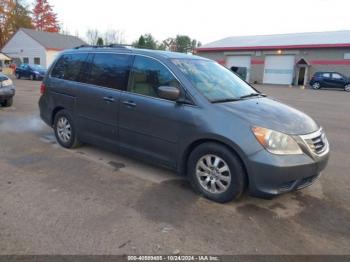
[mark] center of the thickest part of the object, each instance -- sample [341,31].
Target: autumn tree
[13,15]
[44,18]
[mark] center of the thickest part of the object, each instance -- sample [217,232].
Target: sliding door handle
[129,103]
[108,99]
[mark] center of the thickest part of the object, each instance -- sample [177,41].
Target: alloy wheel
[316,85]
[347,88]
[64,129]
[213,174]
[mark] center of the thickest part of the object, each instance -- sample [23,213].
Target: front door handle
[108,99]
[129,103]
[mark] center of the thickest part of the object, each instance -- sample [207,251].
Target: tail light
[42,88]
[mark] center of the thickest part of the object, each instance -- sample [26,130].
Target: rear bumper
[271,175]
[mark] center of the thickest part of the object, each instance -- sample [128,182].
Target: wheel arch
[54,113]
[182,168]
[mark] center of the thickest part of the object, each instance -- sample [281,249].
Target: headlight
[276,142]
[7,82]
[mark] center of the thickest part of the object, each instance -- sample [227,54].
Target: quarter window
[68,67]
[110,70]
[148,74]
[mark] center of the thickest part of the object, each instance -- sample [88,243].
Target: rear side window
[110,70]
[68,67]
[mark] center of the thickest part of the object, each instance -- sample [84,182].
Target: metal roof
[54,41]
[300,40]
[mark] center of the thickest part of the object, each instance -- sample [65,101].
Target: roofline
[54,49]
[211,49]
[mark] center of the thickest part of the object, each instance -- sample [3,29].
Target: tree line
[15,14]
[180,43]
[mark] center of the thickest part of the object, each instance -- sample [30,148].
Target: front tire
[32,77]
[316,85]
[8,102]
[65,131]
[216,173]
[347,88]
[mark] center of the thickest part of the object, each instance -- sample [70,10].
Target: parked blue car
[331,80]
[33,72]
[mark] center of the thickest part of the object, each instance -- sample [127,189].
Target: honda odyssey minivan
[186,113]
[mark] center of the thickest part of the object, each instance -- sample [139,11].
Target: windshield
[214,81]
[37,67]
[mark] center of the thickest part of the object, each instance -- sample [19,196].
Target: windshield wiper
[252,95]
[225,100]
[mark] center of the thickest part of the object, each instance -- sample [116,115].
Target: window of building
[148,75]
[347,56]
[37,60]
[25,60]
[68,67]
[110,70]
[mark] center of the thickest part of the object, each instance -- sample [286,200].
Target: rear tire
[216,173]
[8,102]
[316,85]
[347,88]
[65,130]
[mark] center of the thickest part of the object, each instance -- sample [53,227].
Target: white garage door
[239,61]
[279,69]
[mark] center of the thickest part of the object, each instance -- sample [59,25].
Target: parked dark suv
[331,80]
[184,112]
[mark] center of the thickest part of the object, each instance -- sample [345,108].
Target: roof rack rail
[103,46]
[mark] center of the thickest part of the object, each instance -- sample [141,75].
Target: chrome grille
[316,142]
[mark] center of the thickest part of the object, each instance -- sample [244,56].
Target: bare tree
[114,37]
[92,36]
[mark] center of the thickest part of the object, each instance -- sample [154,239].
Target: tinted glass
[214,81]
[148,74]
[326,75]
[68,66]
[110,70]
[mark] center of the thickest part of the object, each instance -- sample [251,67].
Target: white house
[36,47]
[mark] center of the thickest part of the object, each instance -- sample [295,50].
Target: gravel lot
[91,201]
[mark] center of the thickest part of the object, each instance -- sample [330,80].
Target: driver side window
[147,75]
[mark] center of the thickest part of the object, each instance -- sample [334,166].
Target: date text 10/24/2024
[173,258]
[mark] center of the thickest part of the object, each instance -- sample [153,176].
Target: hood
[268,113]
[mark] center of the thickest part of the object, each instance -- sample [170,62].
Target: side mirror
[169,92]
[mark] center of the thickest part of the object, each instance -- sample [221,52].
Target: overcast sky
[204,20]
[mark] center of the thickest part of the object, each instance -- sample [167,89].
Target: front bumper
[6,92]
[271,175]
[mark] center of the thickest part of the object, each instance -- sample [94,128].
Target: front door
[149,125]
[301,77]
[98,98]
[337,80]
